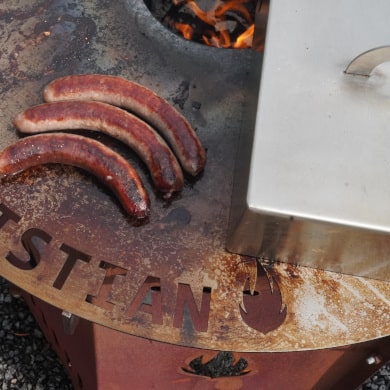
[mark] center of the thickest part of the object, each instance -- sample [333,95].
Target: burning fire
[228,23]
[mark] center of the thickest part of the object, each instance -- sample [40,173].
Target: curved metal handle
[364,63]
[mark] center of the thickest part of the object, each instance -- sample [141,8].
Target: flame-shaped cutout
[261,307]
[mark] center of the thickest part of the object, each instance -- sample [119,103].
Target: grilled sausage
[88,154]
[141,101]
[164,168]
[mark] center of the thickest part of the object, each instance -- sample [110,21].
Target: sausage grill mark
[67,115]
[88,154]
[141,101]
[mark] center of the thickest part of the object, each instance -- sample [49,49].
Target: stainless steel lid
[318,191]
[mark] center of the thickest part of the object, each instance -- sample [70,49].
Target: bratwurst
[88,154]
[141,101]
[91,115]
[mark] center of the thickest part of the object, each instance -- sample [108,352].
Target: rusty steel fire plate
[65,239]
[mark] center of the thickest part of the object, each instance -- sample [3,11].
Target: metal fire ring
[170,280]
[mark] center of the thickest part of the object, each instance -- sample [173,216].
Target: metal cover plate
[319,184]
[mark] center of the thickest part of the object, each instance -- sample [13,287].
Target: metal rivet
[373,359]
[69,322]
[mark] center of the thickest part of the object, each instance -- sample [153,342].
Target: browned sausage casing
[88,154]
[66,115]
[143,102]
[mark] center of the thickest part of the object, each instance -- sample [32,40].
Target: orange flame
[245,39]
[185,29]
[216,17]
